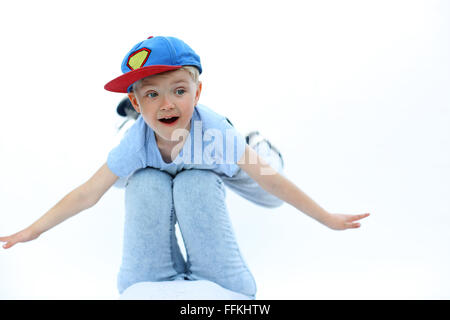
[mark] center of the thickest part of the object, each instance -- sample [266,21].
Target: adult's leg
[150,247]
[211,248]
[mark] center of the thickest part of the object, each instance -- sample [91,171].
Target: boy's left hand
[339,221]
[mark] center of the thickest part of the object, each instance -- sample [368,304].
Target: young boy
[172,174]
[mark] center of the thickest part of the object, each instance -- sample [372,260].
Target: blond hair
[193,72]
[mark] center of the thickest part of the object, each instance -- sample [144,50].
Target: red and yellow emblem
[138,58]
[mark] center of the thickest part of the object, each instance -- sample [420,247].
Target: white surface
[355,94]
[179,290]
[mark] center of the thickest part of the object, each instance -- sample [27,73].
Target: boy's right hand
[81,198]
[21,236]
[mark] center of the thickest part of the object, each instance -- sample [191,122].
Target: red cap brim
[121,83]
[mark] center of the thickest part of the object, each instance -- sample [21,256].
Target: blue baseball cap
[152,56]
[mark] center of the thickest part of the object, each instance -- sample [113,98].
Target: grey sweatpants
[247,188]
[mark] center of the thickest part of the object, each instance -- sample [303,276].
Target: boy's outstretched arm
[81,198]
[274,183]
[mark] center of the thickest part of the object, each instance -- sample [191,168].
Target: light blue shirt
[213,144]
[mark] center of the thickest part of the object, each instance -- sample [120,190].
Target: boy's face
[171,94]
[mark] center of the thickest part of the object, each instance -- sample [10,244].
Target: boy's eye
[152,94]
[180,91]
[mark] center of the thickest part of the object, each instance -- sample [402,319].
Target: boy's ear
[198,92]
[134,102]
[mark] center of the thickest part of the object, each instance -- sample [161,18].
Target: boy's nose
[167,104]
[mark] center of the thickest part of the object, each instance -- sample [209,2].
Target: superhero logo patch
[137,59]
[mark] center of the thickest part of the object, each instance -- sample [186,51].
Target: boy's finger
[353,225]
[7,245]
[359,216]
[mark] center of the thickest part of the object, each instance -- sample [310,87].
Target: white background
[354,93]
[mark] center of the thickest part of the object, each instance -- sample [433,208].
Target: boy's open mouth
[169,121]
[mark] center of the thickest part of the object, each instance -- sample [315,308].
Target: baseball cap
[152,56]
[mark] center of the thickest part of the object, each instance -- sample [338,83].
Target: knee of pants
[147,180]
[196,182]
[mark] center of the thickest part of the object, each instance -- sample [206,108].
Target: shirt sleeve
[234,148]
[129,155]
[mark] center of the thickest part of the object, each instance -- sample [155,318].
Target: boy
[173,175]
